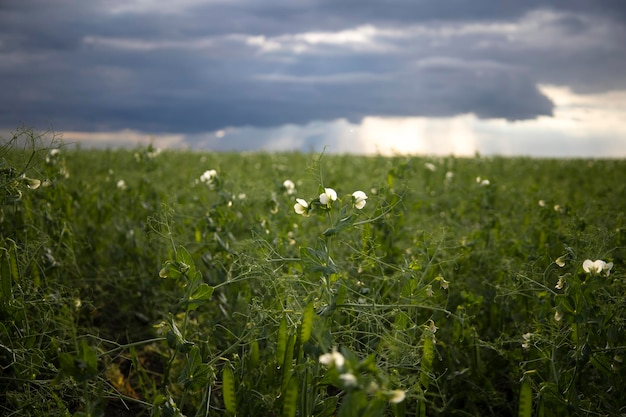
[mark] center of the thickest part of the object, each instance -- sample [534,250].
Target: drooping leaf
[186,263]
[318,259]
[175,338]
[343,223]
[171,270]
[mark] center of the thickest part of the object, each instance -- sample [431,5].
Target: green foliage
[133,284]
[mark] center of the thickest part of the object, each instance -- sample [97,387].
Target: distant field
[134,282]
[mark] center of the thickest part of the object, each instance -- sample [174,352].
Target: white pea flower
[429,291]
[526,342]
[333,358]
[359,198]
[329,195]
[153,153]
[289,186]
[597,267]
[430,166]
[444,284]
[560,283]
[396,396]
[121,184]
[558,315]
[31,183]
[52,156]
[209,176]
[301,207]
[431,326]
[348,379]
[560,261]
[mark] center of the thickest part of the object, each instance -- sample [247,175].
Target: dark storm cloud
[196,66]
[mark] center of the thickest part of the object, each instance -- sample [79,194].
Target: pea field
[140,282]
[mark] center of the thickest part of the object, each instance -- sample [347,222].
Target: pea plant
[175,283]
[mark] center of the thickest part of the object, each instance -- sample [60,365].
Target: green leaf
[228,389]
[353,404]
[327,407]
[602,364]
[186,263]
[175,339]
[83,366]
[6,281]
[200,295]
[195,374]
[170,270]
[318,260]
[9,272]
[342,224]
[166,407]
[13,262]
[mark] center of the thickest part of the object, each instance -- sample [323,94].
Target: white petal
[348,379]
[598,266]
[359,195]
[326,359]
[397,396]
[301,206]
[332,194]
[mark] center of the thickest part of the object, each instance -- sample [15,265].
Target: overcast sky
[541,78]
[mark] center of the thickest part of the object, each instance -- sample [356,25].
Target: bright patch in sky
[418,135]
[582,126]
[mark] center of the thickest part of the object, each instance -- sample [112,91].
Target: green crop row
[170,283]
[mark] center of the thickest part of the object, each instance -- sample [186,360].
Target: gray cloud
[198,66]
